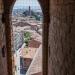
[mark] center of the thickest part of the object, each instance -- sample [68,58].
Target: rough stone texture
[62,38]
[3,60]
[46,21]
[3,56]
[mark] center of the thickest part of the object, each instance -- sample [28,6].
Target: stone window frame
[6,18]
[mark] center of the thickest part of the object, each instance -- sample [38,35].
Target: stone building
[35,67]
[18,38]
[34,43]
[58,37]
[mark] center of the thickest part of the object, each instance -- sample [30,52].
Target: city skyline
[25,3]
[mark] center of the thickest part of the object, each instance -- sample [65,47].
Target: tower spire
[29,10]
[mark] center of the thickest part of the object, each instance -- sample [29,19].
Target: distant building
[29,11]
[18,38]
[35,67]
[34,43]
[23,58]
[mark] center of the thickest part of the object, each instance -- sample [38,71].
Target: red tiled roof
[22,24]
[39,73]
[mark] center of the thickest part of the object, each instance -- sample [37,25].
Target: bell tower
[29,10]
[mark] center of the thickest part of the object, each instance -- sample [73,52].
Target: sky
[23,3]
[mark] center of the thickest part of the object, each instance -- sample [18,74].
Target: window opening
[27,19]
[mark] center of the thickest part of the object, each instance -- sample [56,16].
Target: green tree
[27,37]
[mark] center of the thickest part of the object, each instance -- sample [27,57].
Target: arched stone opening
[8,5]
[64,11]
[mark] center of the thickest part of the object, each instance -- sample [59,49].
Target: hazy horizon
[26,7]
[21,4]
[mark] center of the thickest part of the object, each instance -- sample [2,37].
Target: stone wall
[3,61]
[62,38]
